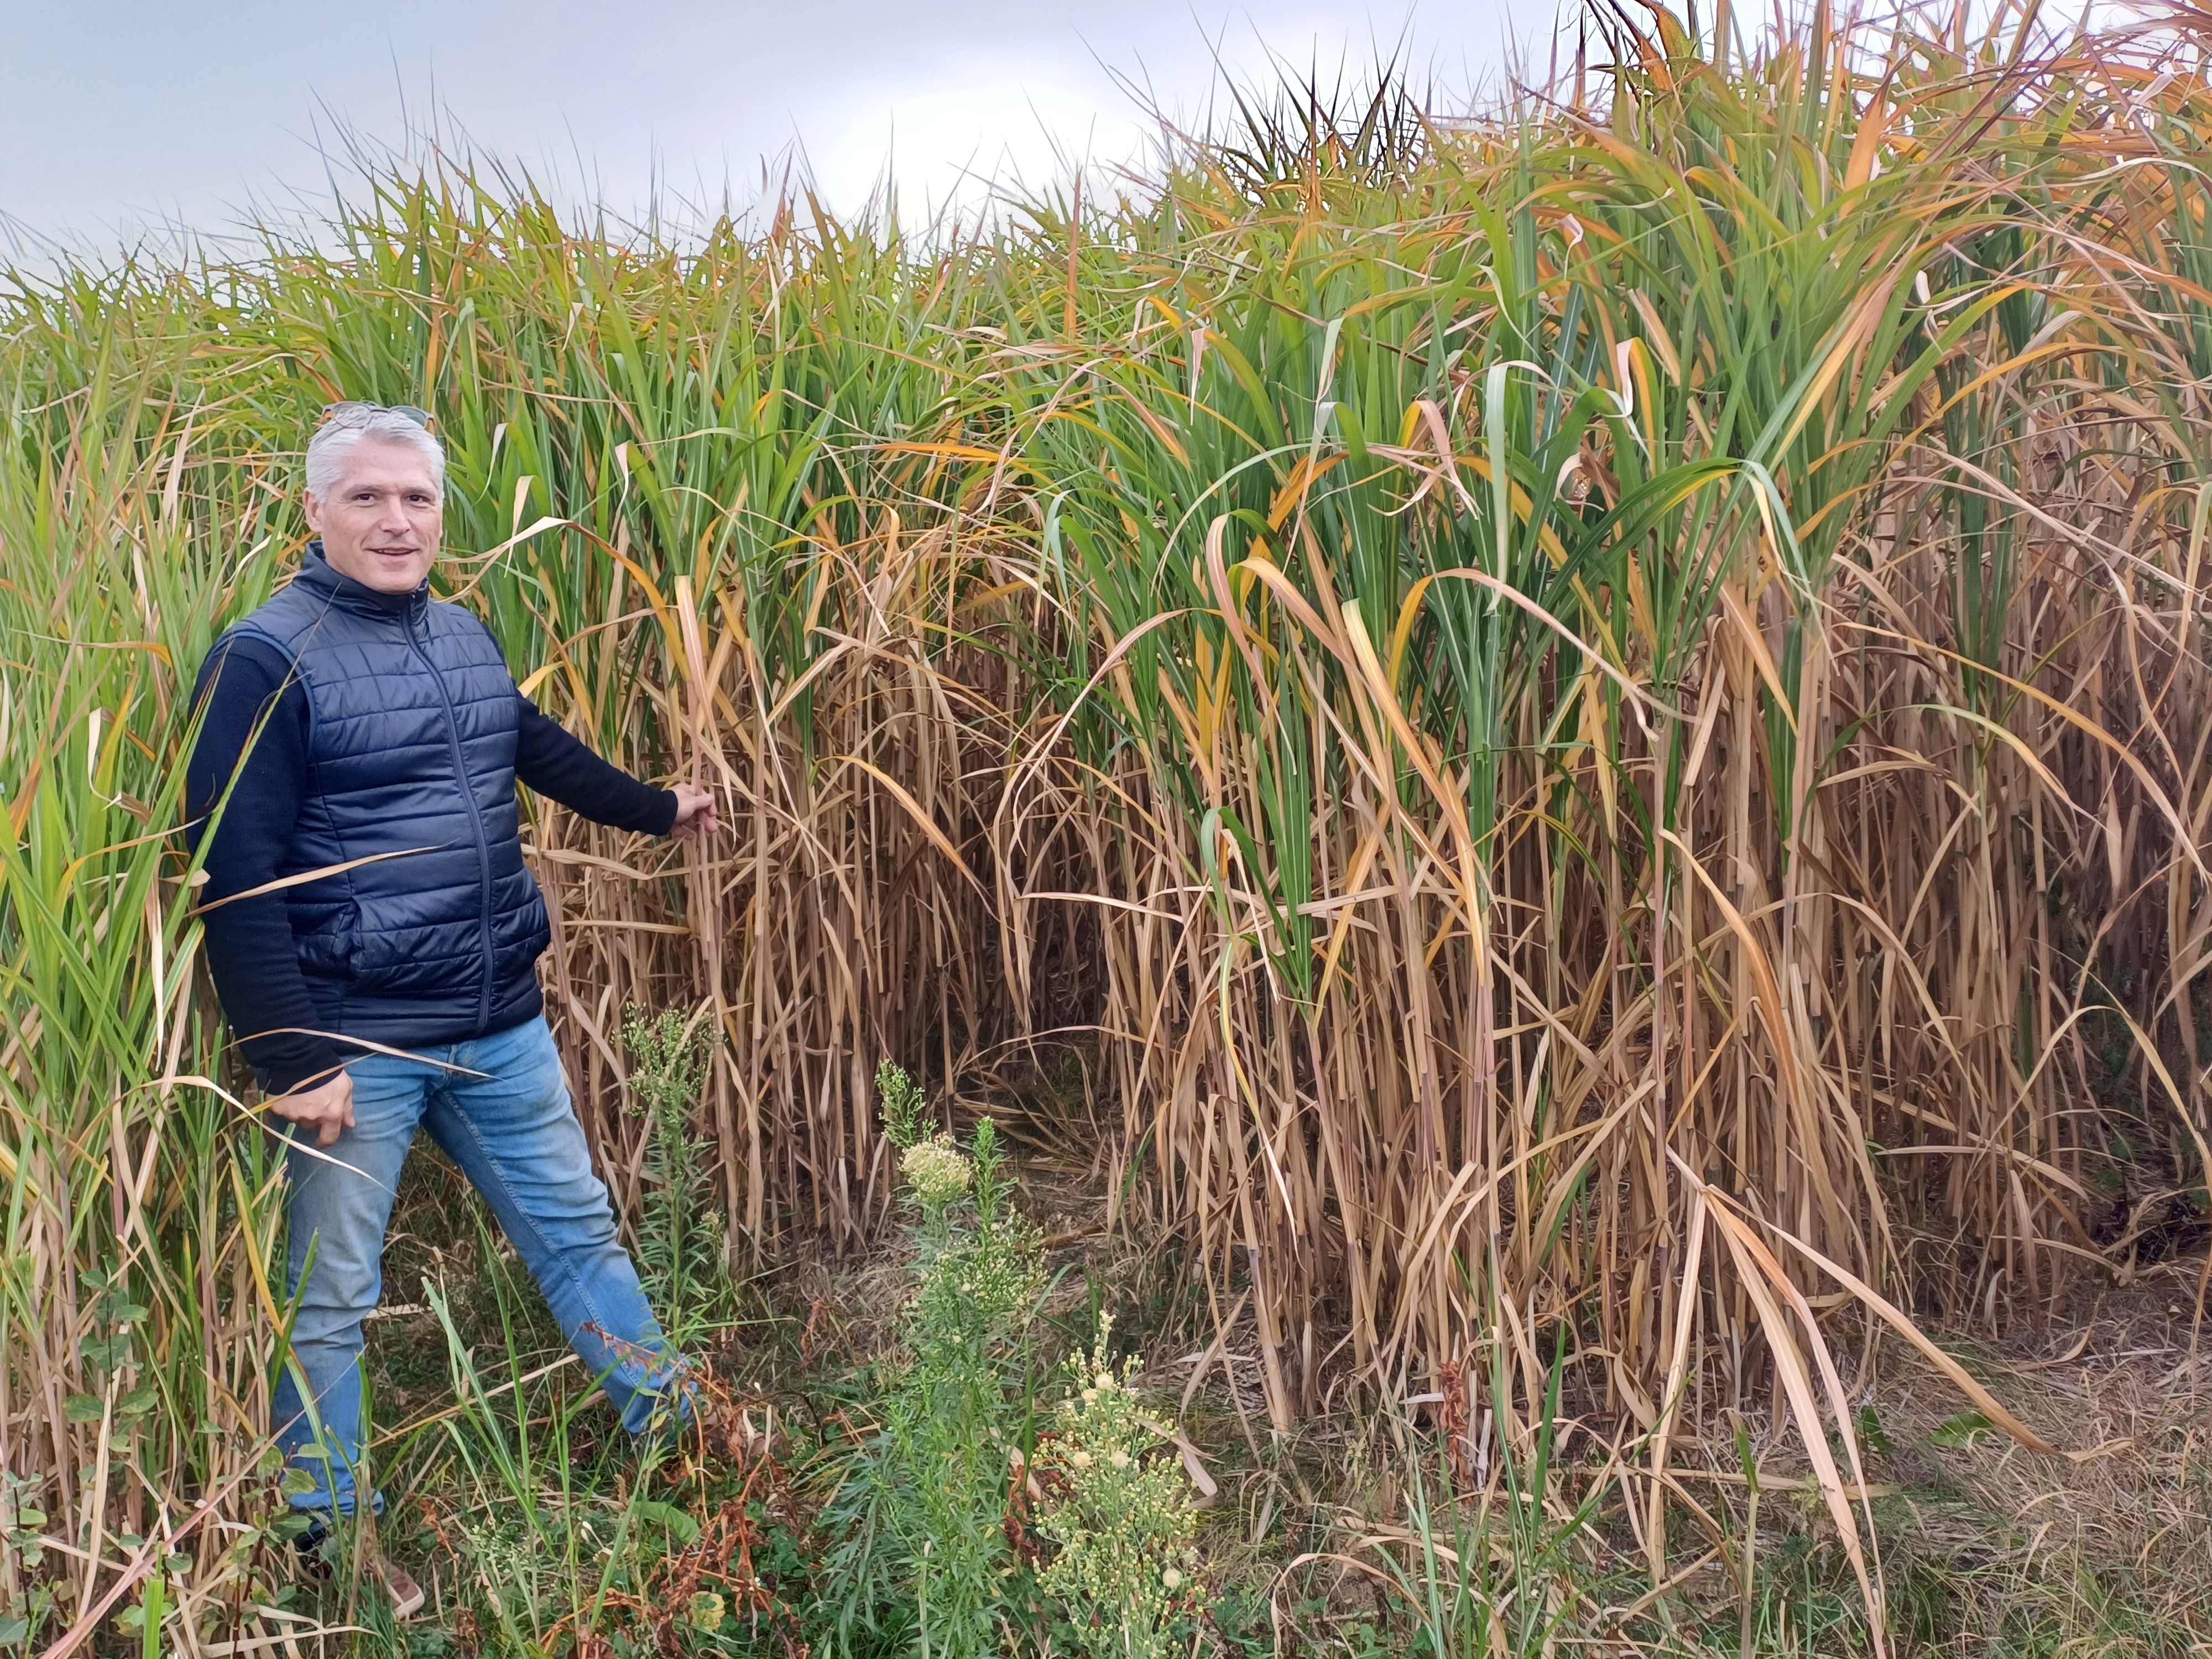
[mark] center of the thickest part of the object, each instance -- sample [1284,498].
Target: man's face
[380,521]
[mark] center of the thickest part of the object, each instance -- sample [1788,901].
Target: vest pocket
[439,960]
[520,936]
[327,951]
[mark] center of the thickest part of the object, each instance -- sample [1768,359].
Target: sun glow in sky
[120,120]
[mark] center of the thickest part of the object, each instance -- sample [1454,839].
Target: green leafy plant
[1962,1431]
[1119,1512]
[22,1551]
[682,1246]
[921,1505]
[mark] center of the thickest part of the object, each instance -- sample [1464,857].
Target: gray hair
[338,437]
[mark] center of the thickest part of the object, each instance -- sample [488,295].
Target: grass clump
[550,1532]
[1505,1569]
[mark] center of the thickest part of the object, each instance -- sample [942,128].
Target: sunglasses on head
[343,414]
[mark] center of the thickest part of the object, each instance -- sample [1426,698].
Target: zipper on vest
[476,819]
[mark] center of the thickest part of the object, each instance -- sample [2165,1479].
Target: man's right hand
[327,1107]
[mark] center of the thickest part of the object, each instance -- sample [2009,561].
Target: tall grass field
[1567,751]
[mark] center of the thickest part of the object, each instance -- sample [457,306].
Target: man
[373,932]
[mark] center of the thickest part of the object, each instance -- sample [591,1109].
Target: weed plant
[924,1562]
[1118,1511]
[682,1246]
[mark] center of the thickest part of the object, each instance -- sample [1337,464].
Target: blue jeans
[514,1134]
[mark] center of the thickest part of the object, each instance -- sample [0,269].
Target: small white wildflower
[1172,1579]
[1090,1396]
[1081,1460]
[1105,1382]
[1120,1460]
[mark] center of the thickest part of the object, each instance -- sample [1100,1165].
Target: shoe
[407,1597]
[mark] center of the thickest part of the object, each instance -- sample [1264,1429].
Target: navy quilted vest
[411,729]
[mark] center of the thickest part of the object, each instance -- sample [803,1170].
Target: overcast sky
[117,118]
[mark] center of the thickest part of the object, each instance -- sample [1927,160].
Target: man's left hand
[695,813]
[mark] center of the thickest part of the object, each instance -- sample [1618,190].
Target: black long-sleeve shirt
[249,940]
